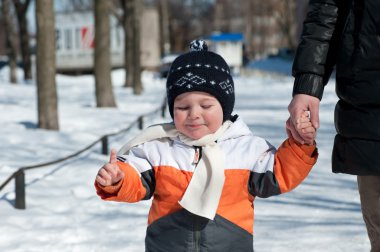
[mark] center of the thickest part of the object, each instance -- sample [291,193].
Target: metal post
[163,109]
[105,145]
[20,189]
[141,122]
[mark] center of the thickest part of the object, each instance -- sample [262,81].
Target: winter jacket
[163,169]
[345,34]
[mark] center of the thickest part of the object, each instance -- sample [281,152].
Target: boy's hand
[110,173]
[303,127]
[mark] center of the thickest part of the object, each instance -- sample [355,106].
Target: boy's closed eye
[182,108]
[206,106]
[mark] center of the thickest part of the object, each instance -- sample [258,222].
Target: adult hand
[303,126]
[299,104]
[110,173]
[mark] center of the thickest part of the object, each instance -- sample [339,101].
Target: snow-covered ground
[64,214]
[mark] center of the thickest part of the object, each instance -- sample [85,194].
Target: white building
[75,41]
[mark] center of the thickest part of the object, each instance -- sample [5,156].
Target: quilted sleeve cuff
[309,84]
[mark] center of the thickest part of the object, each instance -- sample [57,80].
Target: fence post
[163,109]
[20,189]
[141,122]
[105,145]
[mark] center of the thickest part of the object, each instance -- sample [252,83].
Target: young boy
[205,170]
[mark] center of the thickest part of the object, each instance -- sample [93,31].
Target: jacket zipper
[196,234]
[196,231]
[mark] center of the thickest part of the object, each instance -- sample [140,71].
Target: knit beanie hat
[204,71]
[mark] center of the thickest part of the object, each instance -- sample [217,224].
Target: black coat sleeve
[316,53]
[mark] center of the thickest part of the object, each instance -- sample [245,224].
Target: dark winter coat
[345,34]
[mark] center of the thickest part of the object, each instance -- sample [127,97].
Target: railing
[19,175]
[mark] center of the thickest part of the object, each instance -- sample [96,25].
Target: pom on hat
[198,45]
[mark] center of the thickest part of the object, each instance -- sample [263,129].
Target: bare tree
[102,55]
[136,13]
[189,20]
[46,86]
[11,37]
[130,20]
[21,9]
[248,31]
[126,21]
[164,27]
[287,22]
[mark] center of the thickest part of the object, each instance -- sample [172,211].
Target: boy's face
[197,114]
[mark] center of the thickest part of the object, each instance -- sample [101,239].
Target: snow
[63,212]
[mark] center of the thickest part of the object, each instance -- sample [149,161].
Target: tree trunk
[290,26]
[287,23]
[164,27]
[45,66]
[137,13]
[248,31]
[21,9]
[128,42]
[10,40]
[102,55]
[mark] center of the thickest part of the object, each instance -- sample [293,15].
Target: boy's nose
[194,113]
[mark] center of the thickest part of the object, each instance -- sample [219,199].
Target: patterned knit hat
[204,71]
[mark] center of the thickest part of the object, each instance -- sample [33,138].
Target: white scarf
[205,188]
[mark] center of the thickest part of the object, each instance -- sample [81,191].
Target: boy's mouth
[194,126]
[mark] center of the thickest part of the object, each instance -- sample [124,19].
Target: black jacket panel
[183,231]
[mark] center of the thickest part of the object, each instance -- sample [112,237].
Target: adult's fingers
[314,112]
[297,106]
[301,103]
[296,114]
[290,129]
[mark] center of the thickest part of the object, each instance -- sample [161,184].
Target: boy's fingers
[112,170]
[101,181]
[105,173]
[113,158]
[302,128]
[303,119]
[308,130]
[305,114]
[120,175]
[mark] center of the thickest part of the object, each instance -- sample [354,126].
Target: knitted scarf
[205,188]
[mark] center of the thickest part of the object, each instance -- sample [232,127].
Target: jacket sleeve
[282,170]
[138,182]
[316,53]
[293,162]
